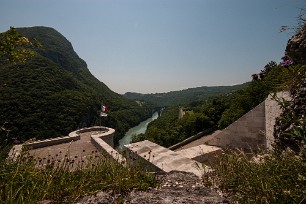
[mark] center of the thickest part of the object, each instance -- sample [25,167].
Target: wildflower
[287,61]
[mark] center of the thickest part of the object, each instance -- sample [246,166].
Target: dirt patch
[175,188]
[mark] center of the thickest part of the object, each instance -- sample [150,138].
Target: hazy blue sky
[153,46]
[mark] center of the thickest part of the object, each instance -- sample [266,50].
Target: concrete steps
[154,157]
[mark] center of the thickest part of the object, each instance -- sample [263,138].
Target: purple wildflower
[287,61]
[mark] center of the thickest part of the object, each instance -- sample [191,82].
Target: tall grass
[22,182]
[278,177]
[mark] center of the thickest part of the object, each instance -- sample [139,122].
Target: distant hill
[184,96]
[55,93]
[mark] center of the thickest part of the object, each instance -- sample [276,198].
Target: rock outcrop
[296,47]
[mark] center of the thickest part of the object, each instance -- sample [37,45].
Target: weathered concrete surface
[254,129]
[106,133]
[191,139]
[248,132]
[200,141]
[51,141]
[175,188]
[157,158]
[76,151]
[77,147]
[202,153]
[272,111]
[97,139]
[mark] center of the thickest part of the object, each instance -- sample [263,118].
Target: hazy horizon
[157,46]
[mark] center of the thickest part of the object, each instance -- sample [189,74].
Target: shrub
[279,177]
[290,127]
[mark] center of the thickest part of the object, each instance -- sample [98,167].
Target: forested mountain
[184,96]
[218,112]
[55,93]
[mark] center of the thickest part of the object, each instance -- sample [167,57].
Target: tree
[14,48]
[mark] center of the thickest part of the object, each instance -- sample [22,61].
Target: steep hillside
[55,93]
[183,96]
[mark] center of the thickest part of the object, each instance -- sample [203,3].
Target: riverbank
[139,129]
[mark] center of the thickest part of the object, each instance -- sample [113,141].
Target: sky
[153,46]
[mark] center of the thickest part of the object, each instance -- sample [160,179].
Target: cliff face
[296,47]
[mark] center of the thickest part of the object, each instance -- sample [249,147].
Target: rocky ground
[175,188]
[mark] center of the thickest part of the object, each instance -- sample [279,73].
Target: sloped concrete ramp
[202,153]
[154,157]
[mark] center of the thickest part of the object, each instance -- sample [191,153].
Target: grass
[25,181]
[278,177]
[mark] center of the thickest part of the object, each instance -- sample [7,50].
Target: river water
[141,128]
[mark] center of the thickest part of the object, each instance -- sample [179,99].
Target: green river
[141,128]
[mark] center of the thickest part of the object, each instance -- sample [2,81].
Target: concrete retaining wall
[101,137]
[52,141]
[190,139]
[105,132]
[103,141]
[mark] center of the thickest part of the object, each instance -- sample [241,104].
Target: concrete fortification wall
[272,111]
[101,138]
[247,132]
[254,129]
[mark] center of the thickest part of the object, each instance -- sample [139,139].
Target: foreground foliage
[278,177]
[22,182]
[290,128]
